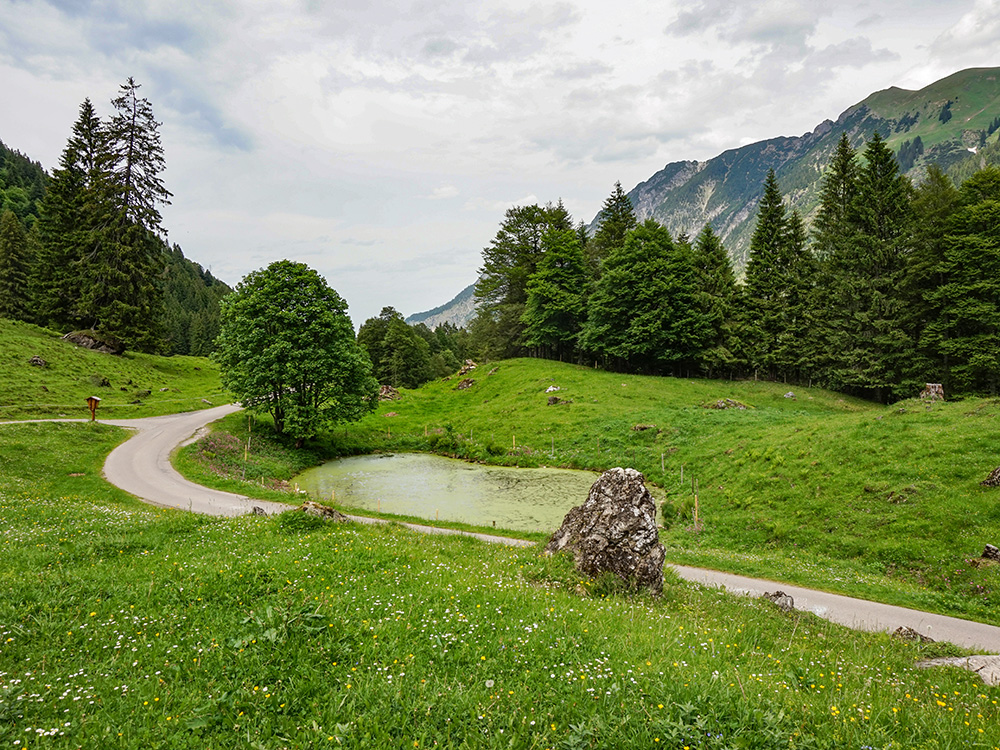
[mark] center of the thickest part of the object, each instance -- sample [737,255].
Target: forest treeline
[895,285]
[84,248]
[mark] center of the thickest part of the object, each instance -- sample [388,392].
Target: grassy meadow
[131,385]
[820,489]
[124,625]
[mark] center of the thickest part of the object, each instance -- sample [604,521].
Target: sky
[381,142]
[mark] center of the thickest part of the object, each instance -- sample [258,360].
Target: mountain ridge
[940,123]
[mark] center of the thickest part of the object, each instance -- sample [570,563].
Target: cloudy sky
[380,142]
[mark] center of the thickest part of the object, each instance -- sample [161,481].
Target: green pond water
[428,486]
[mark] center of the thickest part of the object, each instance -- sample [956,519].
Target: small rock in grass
[465,384]
[323,511]
[909,634]
[781,600]
[38,361]
[724,403]
[991,553]
[993,480]
[987,666]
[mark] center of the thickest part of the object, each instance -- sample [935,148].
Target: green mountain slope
[956,119]
[22,184]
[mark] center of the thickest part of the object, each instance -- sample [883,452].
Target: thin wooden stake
[663,466]
[697,524]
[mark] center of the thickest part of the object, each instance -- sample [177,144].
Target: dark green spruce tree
[512,257]
[74,213]
[792,353]
[934,203]
[869,343]
[832,230]
[765,282]
[122,294]
[717,294]
[557,296]
[968,330]
[400,356]
[15,265]
[615,220]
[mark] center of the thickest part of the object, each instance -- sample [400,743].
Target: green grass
[821,490]
[139,385]
[974,105]
[123,625]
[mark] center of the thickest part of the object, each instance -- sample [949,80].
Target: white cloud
[382,142]
[445,191]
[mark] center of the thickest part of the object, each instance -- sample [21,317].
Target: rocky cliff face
[459,311]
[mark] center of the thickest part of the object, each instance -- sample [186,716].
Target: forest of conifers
[895,285]
[84,248]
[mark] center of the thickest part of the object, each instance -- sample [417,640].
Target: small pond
[428,486]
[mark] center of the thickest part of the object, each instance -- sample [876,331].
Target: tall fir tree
[832,230]
[616,219]
[74,212]
[716,292]
[137,158]
[792,355]
[123,294]
[868,340]
[502,290]
[557,296]
[832,227]
[15,265]
[969,325]
[934,203]
[764,284]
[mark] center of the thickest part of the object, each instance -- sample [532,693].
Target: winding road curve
[141,466]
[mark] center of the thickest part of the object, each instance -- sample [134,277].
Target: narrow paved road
[141,466]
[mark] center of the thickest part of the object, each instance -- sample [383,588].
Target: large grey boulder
[615,531]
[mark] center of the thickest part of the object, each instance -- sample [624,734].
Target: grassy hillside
[974,97]
[132,385]
[140,627]
[818,489]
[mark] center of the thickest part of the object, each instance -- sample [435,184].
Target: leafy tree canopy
[287,347]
